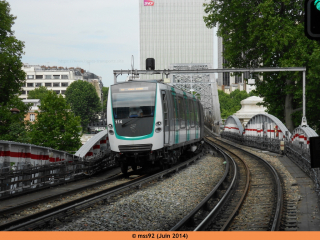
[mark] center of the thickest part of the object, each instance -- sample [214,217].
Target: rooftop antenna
[132,66]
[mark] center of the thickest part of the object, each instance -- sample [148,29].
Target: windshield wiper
[135,119]
[127,122]
[146,116]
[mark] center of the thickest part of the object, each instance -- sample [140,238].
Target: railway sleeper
[191,222]
[206,207]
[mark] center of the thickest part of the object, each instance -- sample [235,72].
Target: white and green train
[152,123]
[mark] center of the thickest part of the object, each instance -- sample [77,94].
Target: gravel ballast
[157,206]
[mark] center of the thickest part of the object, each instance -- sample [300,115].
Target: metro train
[151,123]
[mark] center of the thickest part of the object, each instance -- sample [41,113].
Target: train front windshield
[133,100]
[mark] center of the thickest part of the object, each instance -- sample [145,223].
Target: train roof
[159,81]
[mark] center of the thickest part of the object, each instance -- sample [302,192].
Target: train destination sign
[134,89]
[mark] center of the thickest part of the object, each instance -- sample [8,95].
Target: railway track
[229,206]
[7,210]
[250,198]
[42,218]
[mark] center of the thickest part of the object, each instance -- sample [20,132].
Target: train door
[197,118]
[166,124]
[182,120]
[191,113]
[187,116]
[201,121]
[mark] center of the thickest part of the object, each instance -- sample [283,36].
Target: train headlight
[158,130]
[111,132]
[110,126]
[158,123]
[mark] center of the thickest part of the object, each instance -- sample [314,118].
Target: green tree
[38,93]
[84,101]
[56,126]
[270,33]
[12,77]
[230,103]
[105,92]
[12,125]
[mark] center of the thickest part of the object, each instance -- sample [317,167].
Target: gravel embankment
[157,206]
[62,200]
[291,186]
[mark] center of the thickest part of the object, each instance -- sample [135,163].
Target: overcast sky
[97,35]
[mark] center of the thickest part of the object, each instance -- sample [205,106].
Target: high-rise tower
[173,31]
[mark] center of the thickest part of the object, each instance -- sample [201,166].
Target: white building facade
[56,79]
[173,31]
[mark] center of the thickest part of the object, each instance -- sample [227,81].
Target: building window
[238,79]
[56,76]
[32,117]
[39,76]
[226,79]
[64,84]
[56,84]
[38,84]
[64,77]
[48,84]
[63,91]
[23,92]
[226,75]
[246,75]
[29,84]
[30,76]
[57,91]
[48,76]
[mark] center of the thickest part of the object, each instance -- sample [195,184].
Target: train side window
[165,109]
[196,110]
[191,109]
[175,110]
[182,115]
[187,111]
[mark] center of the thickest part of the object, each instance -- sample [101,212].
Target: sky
[98,35]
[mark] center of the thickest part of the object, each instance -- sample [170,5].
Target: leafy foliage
[12,126]
[230,103]
[12,77]
[270,33]
[84,101]
[56,126]
[38,93]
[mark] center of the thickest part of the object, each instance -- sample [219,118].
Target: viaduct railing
[266,132]
[25,168]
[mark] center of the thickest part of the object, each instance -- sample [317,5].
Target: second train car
[152,123]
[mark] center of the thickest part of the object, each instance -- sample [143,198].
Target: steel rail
[190,215]
[55,196]
[222,201]
[278,212]
[204,224]
[47,215]
[245,193]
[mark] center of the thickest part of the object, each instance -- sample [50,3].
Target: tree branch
[296,110]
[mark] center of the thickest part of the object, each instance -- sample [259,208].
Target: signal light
[312,19]
[150,64]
